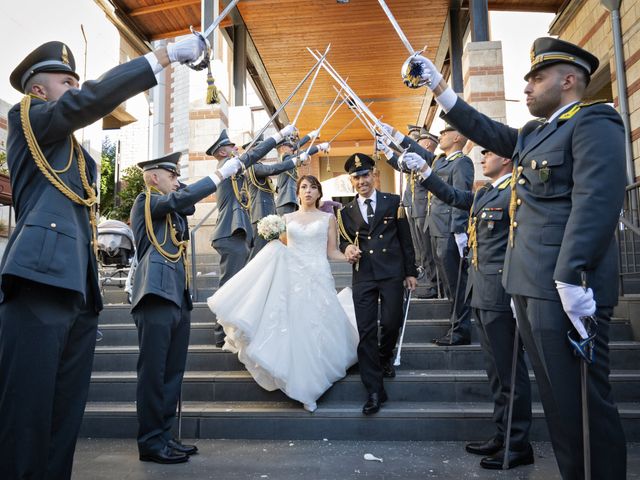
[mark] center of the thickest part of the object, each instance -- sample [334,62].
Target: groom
[377,241]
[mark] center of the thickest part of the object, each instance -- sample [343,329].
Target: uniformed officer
[378,243]
[562,259]
[488,234]
[261,192]
[161,302]
[415,198]
[287,200]
[448,227]
[232,237]
[50,296]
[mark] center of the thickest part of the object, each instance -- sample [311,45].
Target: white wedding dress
[282,316]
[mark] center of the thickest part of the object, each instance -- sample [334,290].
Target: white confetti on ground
[373,458]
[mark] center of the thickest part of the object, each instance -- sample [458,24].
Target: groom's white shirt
[363,206]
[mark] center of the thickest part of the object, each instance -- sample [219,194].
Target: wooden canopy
[364,47]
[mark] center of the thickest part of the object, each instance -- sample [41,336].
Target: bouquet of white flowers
[271,226]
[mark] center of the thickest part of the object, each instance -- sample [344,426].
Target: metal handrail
[628,235]
[194,277]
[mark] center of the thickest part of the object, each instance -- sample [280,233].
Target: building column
[239,64]
[484,86]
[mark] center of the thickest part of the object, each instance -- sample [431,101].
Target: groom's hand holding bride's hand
[352,253]
[410,283]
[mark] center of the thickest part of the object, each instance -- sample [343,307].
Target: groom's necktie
[369,210]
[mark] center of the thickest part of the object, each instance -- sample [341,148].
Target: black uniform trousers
[543,328]
[163,338]
[447,258]
[428,260]
[372,354]
[234,253]
[287,208]
[258,242]
[47,340]
[497,331]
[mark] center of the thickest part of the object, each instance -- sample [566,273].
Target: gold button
[384,249]
[519,201]
[520,169]
[380,236]
[369,237]
[515,224]
[534,164]
[53,225]
[544,163]
[484,214]
[371,251]
[522,181]
[385,222]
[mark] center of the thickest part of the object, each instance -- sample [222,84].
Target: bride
[281,313]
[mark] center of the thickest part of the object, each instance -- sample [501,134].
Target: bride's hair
[313,181]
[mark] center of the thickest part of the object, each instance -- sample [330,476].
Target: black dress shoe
[431,293]
[447,340]
[387,370]
[373,403]
[182,448]
[516,458]
[165,455]
[485,448]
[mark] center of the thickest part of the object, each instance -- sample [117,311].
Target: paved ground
[116,459]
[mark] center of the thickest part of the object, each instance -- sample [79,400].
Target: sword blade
[284,104]
[220,17]
[396,27]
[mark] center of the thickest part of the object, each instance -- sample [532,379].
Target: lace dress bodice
[307,235]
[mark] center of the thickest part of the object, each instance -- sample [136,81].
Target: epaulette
[576,108]
[507,183]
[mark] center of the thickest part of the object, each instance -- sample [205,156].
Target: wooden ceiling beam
[183,31]
[162,7]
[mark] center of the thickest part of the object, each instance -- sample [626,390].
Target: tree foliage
[131,184]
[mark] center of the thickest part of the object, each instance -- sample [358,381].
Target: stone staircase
[439,393]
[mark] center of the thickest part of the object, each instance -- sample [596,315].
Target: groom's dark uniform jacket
[387,250]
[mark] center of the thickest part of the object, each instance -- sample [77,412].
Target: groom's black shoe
[373,403]
[182,448]
[387,370]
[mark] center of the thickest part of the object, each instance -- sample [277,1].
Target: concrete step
[624,355]
[418,331]
[408,386]
[397,420]
[420,309]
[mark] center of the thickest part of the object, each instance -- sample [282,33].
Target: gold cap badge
[65,55]
[358,162]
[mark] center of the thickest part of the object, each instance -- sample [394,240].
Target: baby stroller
[116,251]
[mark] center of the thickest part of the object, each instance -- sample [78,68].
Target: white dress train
[282,316]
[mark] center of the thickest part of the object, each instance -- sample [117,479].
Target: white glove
[313,134]
[430,73]
[398,137]
[230,167]
[187,50]
[513,308]
[300,159]
[576,303]
[324,147]
[413,161]
[461,241]
[382,143]
[288,131]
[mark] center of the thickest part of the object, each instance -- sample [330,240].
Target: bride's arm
[283,235]
[333,252]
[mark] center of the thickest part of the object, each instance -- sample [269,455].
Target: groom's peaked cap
[359,164]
